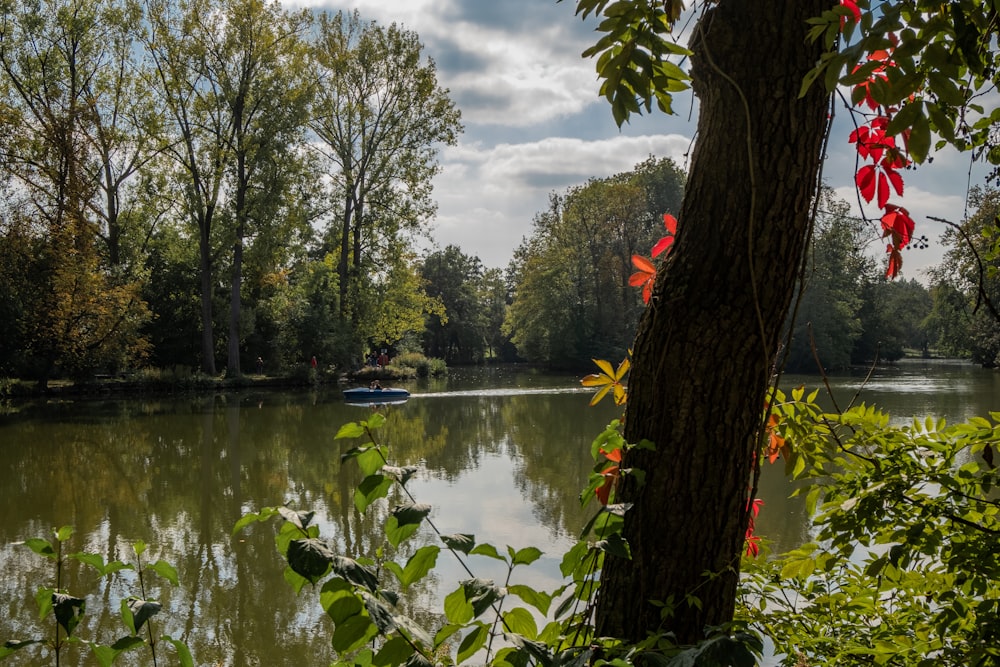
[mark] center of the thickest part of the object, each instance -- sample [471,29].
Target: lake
[502,454]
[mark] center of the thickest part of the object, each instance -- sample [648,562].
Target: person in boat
[375,385]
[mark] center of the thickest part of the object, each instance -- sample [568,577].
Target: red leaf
[865,179]
[670,222]
[662,245]
[610,475]
[883,190]
[897,223]
[644,276]
[895,263]
[896,180]
[855,11]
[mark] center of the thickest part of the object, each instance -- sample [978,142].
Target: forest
[195,194]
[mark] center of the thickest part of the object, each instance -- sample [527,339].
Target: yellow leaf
[595,380]
[605,367]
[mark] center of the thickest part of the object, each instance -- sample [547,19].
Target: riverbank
[174,381]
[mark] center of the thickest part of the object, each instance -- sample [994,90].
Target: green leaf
[165,570]
[310,558]
[12,645]
[41,547]
[350,430]
[394,652]
[462,542]
[64,533]
[183,652]
[353,633]
[418,565]
[69,611]
[96,561]
[487,550]
[339,601]
[445,632]
[370,461]
[457,609]
[472,642]
[247,519]
[139,547]
[43,598]
[537,599]
[404,520]
[107,654]
[520,621]
[920,139]
[526,556]
[371,489]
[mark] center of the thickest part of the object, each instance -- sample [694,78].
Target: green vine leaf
[165,570]
[69,611]
[106,655]
[11,646]
[404,520]
[462,542]
[310,558]
[298,519]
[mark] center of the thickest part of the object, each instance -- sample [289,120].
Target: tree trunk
[706,343]
[205,269]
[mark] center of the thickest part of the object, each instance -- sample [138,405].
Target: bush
[423,366]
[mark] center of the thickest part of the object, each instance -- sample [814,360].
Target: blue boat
[378,396]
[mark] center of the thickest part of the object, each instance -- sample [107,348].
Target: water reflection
[502,455]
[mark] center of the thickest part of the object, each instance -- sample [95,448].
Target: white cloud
[512,182]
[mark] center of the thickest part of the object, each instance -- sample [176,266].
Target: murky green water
[502,455]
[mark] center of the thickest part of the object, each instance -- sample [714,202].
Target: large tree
[74,128]
[706,345]
[259,68]
[380,117]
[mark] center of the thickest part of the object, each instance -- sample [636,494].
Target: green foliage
[966,292]
[69,611]
[902,569]
[572,301]
[474,303]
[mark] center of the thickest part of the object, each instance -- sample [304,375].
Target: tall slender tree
[380,117]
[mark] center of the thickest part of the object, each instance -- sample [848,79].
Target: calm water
[502,455]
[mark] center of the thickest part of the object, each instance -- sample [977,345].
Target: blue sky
[535,124]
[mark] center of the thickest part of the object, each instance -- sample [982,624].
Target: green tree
[892,320]
[584,245]
[705,348]
[177,39]
[966,293]
[458,332]
[63,169]
[380,115]
[259,68]
[827,314]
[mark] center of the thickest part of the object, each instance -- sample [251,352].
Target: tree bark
[706,344]
[205,272]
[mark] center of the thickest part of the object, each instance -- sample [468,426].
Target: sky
[535,125]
